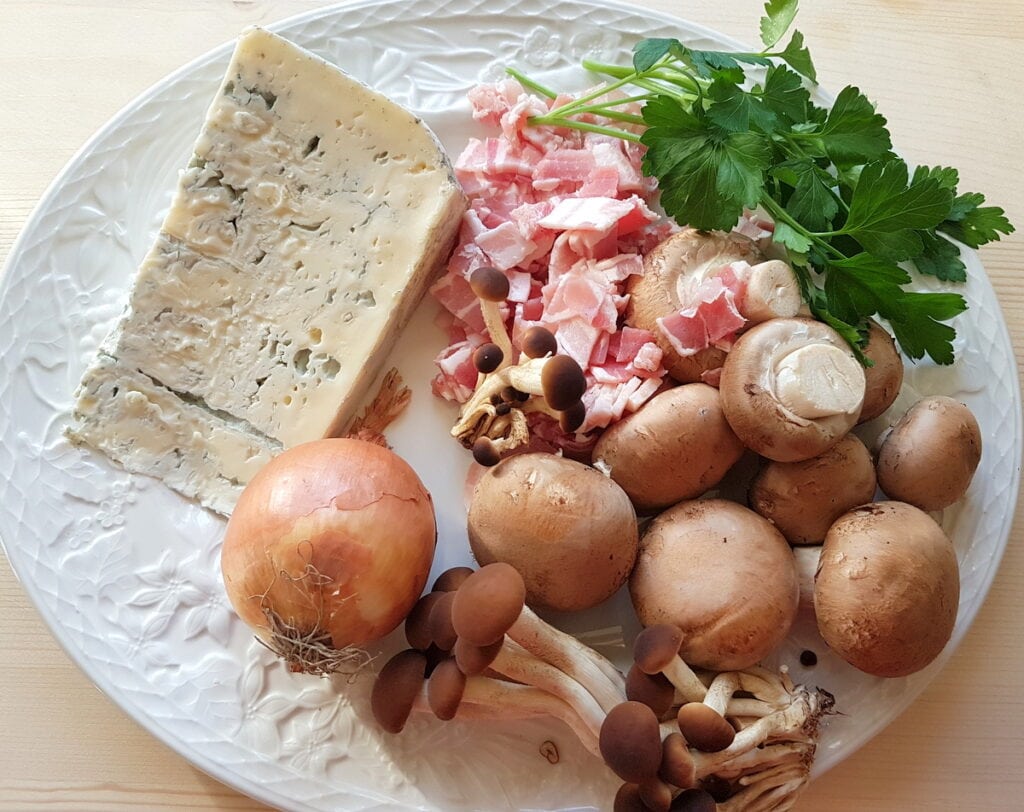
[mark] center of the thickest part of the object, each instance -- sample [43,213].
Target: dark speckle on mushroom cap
[489,284]
[445,689]
[488,603]
[630,741]
[704,728]
[563,382]
[396,688]
[656,646]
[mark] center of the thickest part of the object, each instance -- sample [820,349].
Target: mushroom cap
[563,382]
[655,794]
[654,690]
[442,629]
[887,589]
[694,800]
[804,498]
[489,284]
[627,799]
[418,629]
[704,727]
[487,358]
[488,603]
[539,341]
[791,388]
[929,458]
[396,688]
[451,579]
[568,529]
[630,742]
[884,380]
[657,646]
[473,659]
[724,575]
[687,255]
[485,452]
[445,689]
[677,766]
[676,447]
[572,418]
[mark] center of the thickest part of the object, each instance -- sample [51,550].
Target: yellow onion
[328,549]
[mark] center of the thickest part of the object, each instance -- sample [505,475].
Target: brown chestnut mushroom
[887,589]
[654,690]
[487,603]
[569,530]
[683,260]
[929,458]
[396,688]
[491,287]
[676,447]
[724,575]
[677,767]
[445,689]
[791,388]
[884,378]
[803,498]
[627,799]
[451,579]
[656,651]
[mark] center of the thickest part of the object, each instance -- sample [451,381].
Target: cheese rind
[301,237]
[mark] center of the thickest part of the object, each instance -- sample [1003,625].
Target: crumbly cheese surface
[302,235]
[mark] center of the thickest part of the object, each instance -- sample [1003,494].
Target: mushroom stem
[571,657]
[720,692]
[769,791]
[516,663]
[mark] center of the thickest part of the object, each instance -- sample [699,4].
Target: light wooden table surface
[946,75]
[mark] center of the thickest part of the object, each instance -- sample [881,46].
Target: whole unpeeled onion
[329,547]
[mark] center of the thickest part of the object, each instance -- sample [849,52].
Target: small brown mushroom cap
[704,727]
[418,629]
[473,659]
[396,688]
[445,689]
[627,799]
[539,341]
[887,589]
[676,447]
[656,646]
[655,294]
[630,742]
[563,382]
[487,358]
[884,380]
[694,800]
[451,579]
[485,452]
[677,765]
[442,629]
[489,284]
[791,388]
[804,498]
[724,575]
[655,794]
[488,603]
[654,690]
[568,529]
[929,458]
[572,417]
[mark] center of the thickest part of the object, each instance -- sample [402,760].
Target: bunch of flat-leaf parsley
[846,208]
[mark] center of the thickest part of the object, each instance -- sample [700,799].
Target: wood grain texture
[938,71]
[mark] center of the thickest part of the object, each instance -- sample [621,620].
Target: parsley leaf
[791,238]
[736,110]
[779,15]
[853,133]
[940,258]
[707,174]
[916,320]
[812,203]
[785,95]
[798,57]
[886,213]
[976,225]
[648,52]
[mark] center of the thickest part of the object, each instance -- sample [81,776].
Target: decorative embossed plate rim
[147,620]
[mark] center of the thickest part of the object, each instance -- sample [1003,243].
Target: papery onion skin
[335,537]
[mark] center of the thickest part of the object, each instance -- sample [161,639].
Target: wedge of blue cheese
[302,235]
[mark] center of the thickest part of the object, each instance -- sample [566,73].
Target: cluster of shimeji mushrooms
[677,738]
[493,420]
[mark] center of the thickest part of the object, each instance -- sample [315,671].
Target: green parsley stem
[530,84]
[779,213]
[573,124]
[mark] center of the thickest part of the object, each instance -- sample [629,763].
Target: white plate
[127,574]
